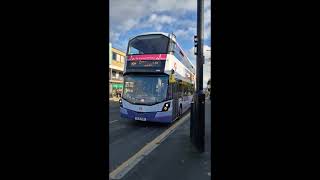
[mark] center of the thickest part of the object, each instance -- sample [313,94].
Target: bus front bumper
[162,117]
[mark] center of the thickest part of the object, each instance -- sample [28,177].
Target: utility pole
[197,126]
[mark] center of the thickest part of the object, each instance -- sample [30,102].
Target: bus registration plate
[140,118]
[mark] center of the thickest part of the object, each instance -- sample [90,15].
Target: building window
[114,56]
[118,58]
[122,59]
[113,74]
[120,76]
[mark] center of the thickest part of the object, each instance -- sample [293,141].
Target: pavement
[175,158]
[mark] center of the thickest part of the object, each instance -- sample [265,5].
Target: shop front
[116,89]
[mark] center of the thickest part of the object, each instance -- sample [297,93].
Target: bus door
[175,96]
[175,102]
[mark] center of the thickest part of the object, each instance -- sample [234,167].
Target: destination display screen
[145,66]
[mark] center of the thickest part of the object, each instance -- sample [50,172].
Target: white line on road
[125,167]
[113,121]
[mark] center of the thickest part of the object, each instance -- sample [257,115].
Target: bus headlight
[166,106]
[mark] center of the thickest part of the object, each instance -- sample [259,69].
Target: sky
[132,17]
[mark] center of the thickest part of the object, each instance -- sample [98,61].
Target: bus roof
[149,33]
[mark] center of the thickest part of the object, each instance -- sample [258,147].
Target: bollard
[201,123]
[191,120]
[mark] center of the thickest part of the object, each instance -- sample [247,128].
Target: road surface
[127,137]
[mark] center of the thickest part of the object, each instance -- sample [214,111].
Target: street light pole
[197,126]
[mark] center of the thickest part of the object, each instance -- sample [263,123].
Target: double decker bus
[159,79]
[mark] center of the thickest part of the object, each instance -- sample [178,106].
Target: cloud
[114,36]
[152,17]
[206,75]
[162,19]
[124,11]
[136,16]
[207,16]
[207,64]
[181,33]
[157,21]
[207,4]
[207,32]
[158,27]
[207,21]
[181,5]
[207,51]
[186,33]
[130,23]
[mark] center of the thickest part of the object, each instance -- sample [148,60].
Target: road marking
[113,121]
[126,166]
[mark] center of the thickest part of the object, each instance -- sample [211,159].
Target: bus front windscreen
[149,44]
[143,89]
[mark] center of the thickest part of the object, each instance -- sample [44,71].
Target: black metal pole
[197,126]
[191,121]
[199,73]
